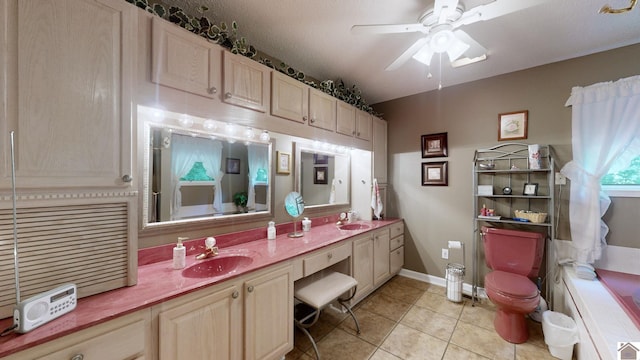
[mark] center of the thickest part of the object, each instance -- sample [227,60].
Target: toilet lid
[512,284]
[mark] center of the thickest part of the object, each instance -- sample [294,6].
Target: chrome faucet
[210,250]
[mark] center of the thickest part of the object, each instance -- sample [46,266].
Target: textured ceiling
[314,36]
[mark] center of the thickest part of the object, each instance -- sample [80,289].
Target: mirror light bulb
[186,121]
[209,125]
[230,129]
[264,136]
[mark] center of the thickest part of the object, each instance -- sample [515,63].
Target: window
[624,182]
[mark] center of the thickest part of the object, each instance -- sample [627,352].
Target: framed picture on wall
[435,173]
[283,162]
[434,145]
[320,159]
[233,166]
[513,125]
[320,175]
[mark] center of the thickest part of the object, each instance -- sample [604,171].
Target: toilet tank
[513,251]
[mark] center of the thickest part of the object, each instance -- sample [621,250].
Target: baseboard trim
[438,281]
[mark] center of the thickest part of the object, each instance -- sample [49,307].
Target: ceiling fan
[441,26]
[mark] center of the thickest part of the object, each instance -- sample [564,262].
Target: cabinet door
[268,321]
[184,61]
[289,97]
[70,101]
[363,265]
[208,325]
[379,135]
[396,260]
[322,110]
[345,118]
[380,256]
[245,82]
[363,125]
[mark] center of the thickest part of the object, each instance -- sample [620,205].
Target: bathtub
[602,321]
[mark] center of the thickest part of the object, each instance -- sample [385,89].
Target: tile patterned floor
[410,319]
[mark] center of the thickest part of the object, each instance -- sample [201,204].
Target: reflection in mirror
[192,175]
[322,177]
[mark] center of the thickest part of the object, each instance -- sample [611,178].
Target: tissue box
[485,189]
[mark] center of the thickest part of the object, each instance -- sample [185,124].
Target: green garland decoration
[227,37]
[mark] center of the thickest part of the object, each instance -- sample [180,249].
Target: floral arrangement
[228,37]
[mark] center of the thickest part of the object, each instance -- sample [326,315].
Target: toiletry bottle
[306,224]
[209,242]
[179,254]
[271,230]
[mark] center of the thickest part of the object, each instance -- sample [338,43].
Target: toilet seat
[511,285]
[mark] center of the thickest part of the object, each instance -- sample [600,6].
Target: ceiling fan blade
[388,29]
[475,49]
[407,54]
[495,9]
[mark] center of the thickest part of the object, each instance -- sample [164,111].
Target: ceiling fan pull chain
[440,71]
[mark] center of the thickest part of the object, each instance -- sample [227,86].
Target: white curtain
[258,158]
[185,151]
[605,122]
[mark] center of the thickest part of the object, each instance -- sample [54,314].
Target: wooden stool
[315,294]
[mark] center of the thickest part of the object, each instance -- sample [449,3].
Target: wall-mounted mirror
[195,175]
[322,176]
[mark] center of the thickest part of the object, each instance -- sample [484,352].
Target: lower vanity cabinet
[381,256]
[268,314]
[124,338]
[396,248]
[362,265]
[203,326]
[209,324]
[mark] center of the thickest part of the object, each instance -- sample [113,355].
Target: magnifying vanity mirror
[322,175]
[197,175]
[294,205]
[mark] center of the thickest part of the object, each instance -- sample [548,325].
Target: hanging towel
[376,201]
[332,195]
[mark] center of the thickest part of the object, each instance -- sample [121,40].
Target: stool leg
[343,302]
[302,326]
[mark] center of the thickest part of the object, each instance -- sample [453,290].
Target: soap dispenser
[306,224]
[179,254]
[271,230]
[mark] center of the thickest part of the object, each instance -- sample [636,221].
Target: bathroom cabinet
[396,247]
[364,122]
[322,110]
[345,118]
[381,271]
[362,267]
[214,320]
[500,176]
[126,337]
[379,140]
[245,82]
[289,98]
[183,61]
[66,84]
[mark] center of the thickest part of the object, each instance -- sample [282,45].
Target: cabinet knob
[127,178]
[228,95]
[358,133]
[304,118]
[398,252]
[212,90]
[250,288]
[235,294]
[77,357]
[353,132]
[312,120]
[329,255]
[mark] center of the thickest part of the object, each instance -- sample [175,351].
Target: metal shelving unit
[511,169]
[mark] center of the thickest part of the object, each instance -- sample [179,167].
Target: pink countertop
[158,281]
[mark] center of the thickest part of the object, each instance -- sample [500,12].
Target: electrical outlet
[561,179]
[445,253]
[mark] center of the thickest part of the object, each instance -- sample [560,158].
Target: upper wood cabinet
[289,97]
[184,61]
[245,82]
[67,73]
[322,110]
[379,135]
[345,119]
[363,125]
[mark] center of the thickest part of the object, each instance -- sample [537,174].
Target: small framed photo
[530,189]
[320,159]
[283,162]
[513,125]
[320,175]
[233,166]
[434,145]
[435,173]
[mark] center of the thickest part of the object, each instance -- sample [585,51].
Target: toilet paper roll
[455,244]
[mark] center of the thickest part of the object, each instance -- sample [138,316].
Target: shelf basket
[534,217]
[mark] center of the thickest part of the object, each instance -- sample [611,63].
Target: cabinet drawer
[326,258]
[396,260]
[397,229]
[129,341]
[396,242]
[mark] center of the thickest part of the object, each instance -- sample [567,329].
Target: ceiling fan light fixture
[424,55]
[441,40]
[456,48]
